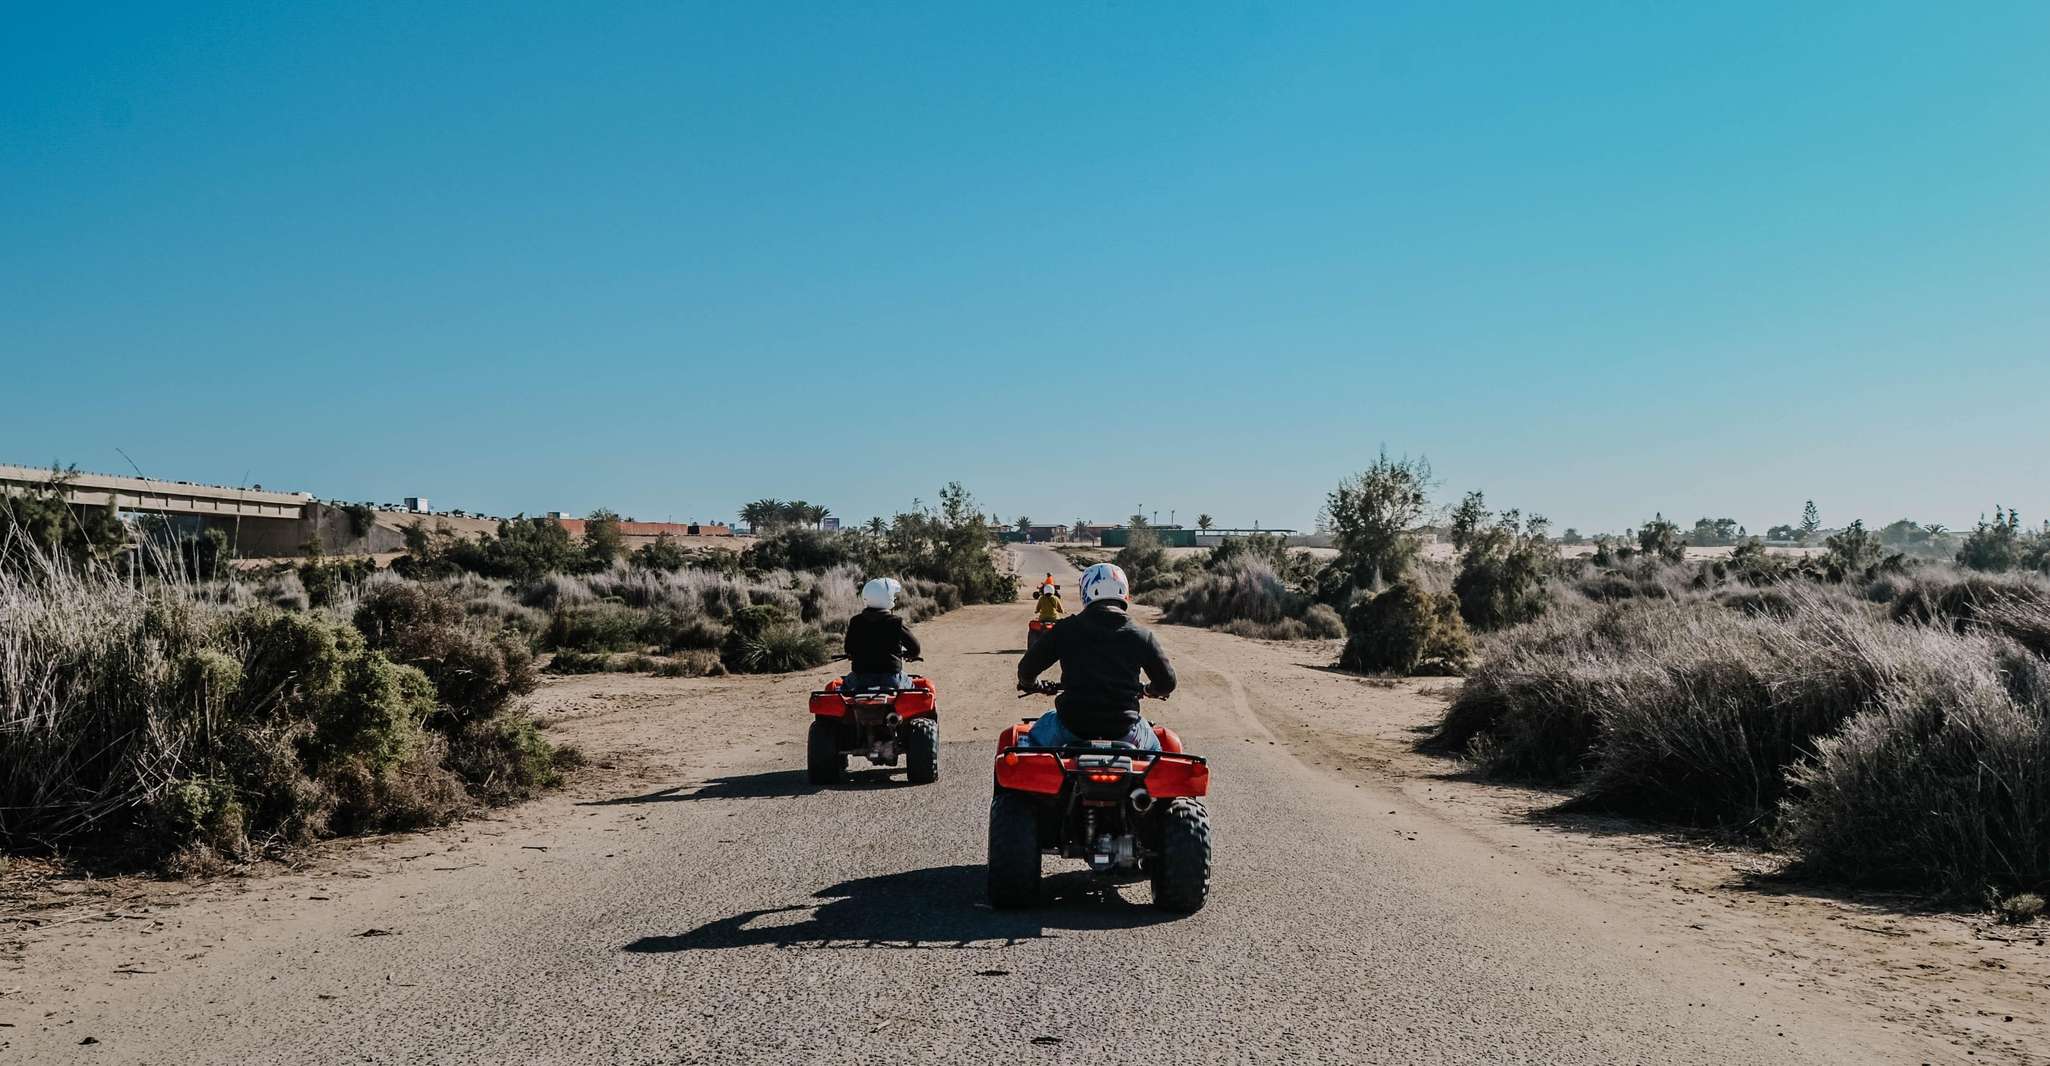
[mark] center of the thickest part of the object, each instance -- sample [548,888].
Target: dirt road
[723,911]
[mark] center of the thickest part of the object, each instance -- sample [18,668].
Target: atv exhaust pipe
[891,720]
[1142,800]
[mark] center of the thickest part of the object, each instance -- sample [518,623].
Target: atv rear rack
[1089,749]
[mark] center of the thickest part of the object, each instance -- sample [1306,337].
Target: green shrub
[376,715]
[474,675]
[503,759]
[1371,515]
[1143,559]
[192,733]
[803,548]
[1851,550]
[580,662]
[659,554]
[1661,540]
[1502,572]
[2019,909]
[327,580]
[1995,546]
[1402,628]
[361,516]
[689,633]
[599,627]
[780,649]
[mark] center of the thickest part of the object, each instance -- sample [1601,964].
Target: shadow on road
[1000,651]
[768,785]
[941,907]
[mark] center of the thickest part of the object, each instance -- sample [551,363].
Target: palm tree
[1023,523]
[818,515]
[1204,522]
[877,527]
[762,514]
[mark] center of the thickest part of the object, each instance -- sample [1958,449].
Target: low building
[1170,536]
[635,534]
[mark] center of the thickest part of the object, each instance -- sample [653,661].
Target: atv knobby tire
[1013,851]
[824,762]
[1181,872]
[922,750]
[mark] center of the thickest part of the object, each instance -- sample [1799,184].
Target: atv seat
[1013,735]
[839,684]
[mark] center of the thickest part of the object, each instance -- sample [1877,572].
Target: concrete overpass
[160,497]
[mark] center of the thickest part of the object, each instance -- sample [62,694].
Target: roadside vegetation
[1880,715]
[163,708]
[1873,703]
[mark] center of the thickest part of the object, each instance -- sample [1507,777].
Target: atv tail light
[1030,772]
[1105,778]
[1170,778]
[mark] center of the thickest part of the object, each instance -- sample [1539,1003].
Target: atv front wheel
[922,750]
[824,762]
[1181,872]
[1013,851]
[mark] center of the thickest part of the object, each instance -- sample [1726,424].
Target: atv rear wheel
[1181,872]
[922,750]
[824,762]
[1013,851]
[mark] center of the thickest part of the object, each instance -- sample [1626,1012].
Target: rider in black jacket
[878,641]
[1102,653]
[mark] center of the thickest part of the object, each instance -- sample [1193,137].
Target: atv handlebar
[1052,688]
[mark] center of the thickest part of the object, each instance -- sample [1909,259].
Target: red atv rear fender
[1172,778]
[1029,772]
[918,701]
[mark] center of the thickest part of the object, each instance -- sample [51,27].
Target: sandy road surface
[723,911]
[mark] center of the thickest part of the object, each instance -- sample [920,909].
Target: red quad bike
[877,724]
[1121,810]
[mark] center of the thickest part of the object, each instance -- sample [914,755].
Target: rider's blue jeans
[1048,732]
[859,682]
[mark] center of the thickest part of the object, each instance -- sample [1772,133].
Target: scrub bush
[779,648]
[1245,596]
[1404,629]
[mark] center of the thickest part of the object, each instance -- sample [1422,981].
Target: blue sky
[1598,260]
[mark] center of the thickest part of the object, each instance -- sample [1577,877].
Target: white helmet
[881,593]
[1105,581]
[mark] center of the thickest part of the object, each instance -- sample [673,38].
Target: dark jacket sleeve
[907,641]
[1043,653]
[1159,675]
